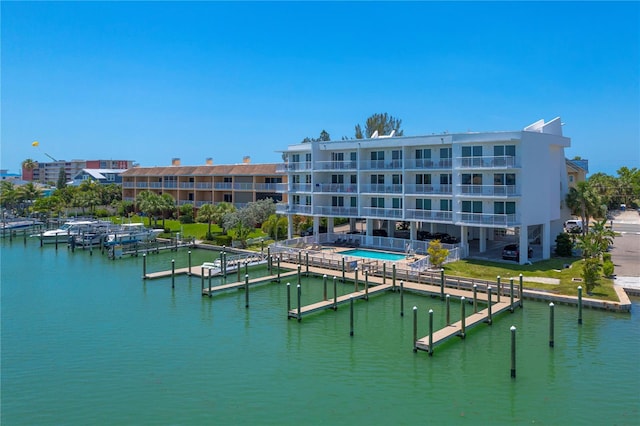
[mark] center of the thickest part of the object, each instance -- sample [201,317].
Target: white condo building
[484,189]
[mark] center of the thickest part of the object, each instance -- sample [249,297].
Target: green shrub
[223,240]
[101,213]
[607,268]
[606,257]
[564,244]
[187,218]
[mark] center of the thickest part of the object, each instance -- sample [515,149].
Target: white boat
[130,233]
[66,231]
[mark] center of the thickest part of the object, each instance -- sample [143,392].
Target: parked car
[379,233]
[512,252]
[573,226]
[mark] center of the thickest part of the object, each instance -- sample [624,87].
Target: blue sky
[150,81]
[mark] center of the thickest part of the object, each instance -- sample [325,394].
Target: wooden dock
[455,329]
[238,285]
[330,303]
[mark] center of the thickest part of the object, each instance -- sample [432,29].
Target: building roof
[100,173]
[221,170]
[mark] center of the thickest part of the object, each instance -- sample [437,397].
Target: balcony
[170,184]
[293,167]
[282,208]
[500,162]
[128,185]
[336,165]
[489,190]
[427,164]
[187,185]
[429,215]
[375,188]
[204,185]
[487,219]
[300,187]
[336,211]
[245,186]
[199,204]
[223,185]
[142,185]
[155,185]
[336,187]
[382,212]
[381,165]
[266,186]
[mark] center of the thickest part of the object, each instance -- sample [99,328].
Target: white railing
[292,167]
[503,161]
[489,219]
[336,165]
[204,185]
[187,185]
[381,188]
[266,186]
[300,187]
[381,212]
[247,186]
[336,211]
[435,215]
[222,185]
[282,208]
[489,190]
[336,187]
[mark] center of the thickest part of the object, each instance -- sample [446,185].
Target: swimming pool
[371,254]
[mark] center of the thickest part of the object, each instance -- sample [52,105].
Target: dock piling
[401,298]
[324,282]
[430,332]
[278,268]
[441,283]
[499,289]
[189,273]
[246,290]
[463,317]
[173,273]
[393,277]
[306,261]
[384,273]
[288,299]
[343,269]
[580,304]
[144,266]
[209,292]
[475,298]
[335,293]
[415,328]
[355,281]
[513,351]
[448,306]
[201,279]
[299,268]
[551,319]
[351,316]
[299,303]
[520,292]
[366,285]
[511,294]
[489,319]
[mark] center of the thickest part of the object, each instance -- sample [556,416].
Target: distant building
[5,175]
[48,172]
[102,176]
[577,171]
[237,184]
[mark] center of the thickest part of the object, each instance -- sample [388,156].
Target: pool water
[372,254]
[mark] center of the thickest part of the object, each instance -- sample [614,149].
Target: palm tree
[207,213]
[221,210]
[8,195]
[167,204]
[275,226]
[29,164]
[583,200]
[602,236]
[149,203]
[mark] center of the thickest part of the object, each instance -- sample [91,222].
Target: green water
[86,341]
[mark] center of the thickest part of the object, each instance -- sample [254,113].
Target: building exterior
[577,171]
[482,188]
[102,176]
[208,184]
[48,172]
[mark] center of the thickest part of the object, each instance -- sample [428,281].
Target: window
[227,198]
[337,156]
[307,157]
[377,179]
[504,150]
[307,200]
[337,201]
[337,178]
[396,154]
[504,179]
[500,207]
[295,158]
[446,205]
[307,179]
[396,203]
[227,179]
[296,199]
[295,179]
[354,201]
[396,179]
[354,179]
[377,155]
[377,202]
[423,179]
[445,153]
[423,204]
[423,154]
[445,179]
[472,206]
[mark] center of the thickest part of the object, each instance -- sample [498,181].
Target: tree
[324,137]
[29,193]
[62,179]
[221,210]
[167,205]
[585,202]
[8,195]
[383,123]
[53,204]
[437,254]
[275,226]
[186,213]
[207,214]
[29,164]
[242,221]
[149,203]
[602,236]
[564,244]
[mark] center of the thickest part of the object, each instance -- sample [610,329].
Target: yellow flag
[35,143]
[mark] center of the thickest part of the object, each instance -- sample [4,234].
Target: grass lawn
[552,268]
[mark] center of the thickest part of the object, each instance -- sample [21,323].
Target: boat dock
[237,285]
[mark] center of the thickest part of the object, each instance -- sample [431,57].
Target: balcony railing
[170,184]
[142,185]
[204,185]
[223,185]
[155,185]
[336,211]
[489,219]
[431,215]
[300,187]
[266,186]
[245,186]
[499,162]
[381,188]
[381,212]
[336,187]
[337,165]
[187,185]
[199,204]
[293,167]
[282,208]
[380,164]
[427,189]
[489,190]
[128,185]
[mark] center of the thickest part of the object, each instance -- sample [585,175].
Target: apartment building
[503,186]
[238,184]
[48,172]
